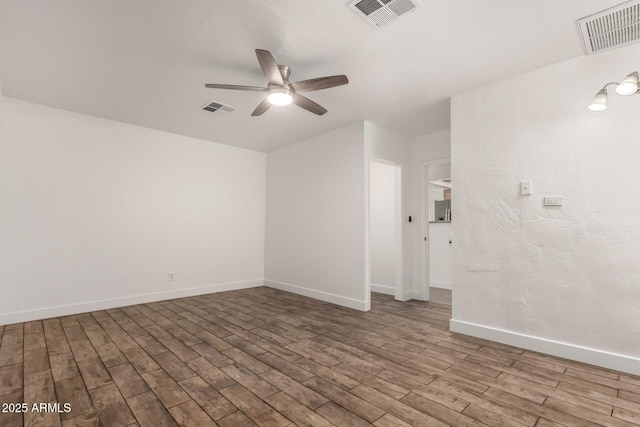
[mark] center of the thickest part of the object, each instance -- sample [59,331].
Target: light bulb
[279,96]
[599,102]
[629,85]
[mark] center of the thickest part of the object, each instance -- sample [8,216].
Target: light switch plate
[525,188]
[553,200]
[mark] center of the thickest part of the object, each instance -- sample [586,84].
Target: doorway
[438,259]
[385,227]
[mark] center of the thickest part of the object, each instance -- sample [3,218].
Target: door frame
[398,164]
[424,229]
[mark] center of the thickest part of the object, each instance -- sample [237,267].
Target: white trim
[367,225]
[440,284]
[383,289]
[104,304]
[322,296]
[383,158]
[591,356]
[415,295]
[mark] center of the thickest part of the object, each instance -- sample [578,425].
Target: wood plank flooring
[268,358]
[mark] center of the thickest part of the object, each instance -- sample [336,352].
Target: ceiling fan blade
[307,104]
[269,67]
[261,108]
[320,83]
[236,87]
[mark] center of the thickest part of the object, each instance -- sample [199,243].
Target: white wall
[429,147]
[560,280]
[383,241]
[316,218]
[1,115]
[96,213]
[426,148]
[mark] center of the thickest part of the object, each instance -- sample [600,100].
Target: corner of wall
[361,305]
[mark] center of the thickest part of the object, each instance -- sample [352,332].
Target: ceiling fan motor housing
[285,72]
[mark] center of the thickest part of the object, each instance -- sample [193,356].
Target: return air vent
[214,106]
[611,28]
[381,12]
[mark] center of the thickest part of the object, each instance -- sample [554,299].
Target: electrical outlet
[525,188]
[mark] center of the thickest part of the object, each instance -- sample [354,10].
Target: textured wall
[569,274]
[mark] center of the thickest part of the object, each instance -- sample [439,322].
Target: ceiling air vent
[214,106]
[380,12]
[614,27]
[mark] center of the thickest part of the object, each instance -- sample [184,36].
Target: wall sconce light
[629,86]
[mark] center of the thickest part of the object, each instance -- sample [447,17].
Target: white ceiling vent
[380,12]
[614,27]
[215,106]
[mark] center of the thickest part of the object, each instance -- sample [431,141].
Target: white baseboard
[440,284]
[383,289]
[591,356]
[104,304]
[322,296]
[416,295]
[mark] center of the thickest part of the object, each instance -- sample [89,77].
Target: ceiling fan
[282,92]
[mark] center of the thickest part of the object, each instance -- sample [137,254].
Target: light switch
[525,188]
[553,200]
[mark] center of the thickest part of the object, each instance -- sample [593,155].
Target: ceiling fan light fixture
[279,96]
[599,102]
[280,91]
[629,85]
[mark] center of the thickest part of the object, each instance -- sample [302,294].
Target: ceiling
[145,62]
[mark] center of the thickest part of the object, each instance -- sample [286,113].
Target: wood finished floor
[269,358]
